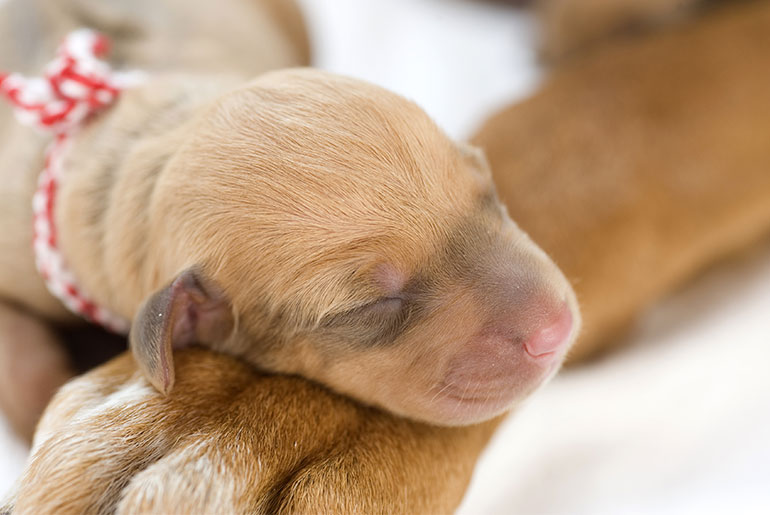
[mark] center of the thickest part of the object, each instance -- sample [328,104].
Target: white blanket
[679,422]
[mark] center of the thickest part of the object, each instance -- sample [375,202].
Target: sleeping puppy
[636,170]
[309,224]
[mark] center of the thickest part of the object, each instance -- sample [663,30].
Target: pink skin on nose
[546,341]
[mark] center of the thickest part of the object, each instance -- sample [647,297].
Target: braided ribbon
[75,86]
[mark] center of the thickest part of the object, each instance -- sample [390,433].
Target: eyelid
[399,295]
[364,304]
[382,300]
[392,296]
[372,308]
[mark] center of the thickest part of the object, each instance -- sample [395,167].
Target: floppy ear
[192,309]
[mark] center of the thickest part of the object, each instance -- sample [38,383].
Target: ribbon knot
[76,84]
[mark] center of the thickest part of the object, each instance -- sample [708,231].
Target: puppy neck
[111,171]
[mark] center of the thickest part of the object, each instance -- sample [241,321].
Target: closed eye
[376,322]
[381,310]
[384,305]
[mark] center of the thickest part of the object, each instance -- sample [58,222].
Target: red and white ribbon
[75,86]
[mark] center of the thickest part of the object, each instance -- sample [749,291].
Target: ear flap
[189,310]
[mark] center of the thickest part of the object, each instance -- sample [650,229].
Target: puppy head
[322,226]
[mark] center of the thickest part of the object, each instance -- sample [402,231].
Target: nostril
[552,337]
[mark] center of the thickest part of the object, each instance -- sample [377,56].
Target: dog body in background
[308,223]
[646,156]
[670,132]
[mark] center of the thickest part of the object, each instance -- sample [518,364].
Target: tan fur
[291,209]
[343,232]
[141,38]
[650,215]
[308,459]
[247,37]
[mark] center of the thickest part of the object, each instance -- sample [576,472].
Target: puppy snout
[548,339]
[534,331]
[516,351]
[517,346]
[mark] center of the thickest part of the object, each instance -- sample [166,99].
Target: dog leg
[110,442]
[88,444]
[180,483]
[386,465]
[33,365]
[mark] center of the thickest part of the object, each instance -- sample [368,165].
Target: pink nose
[550,338]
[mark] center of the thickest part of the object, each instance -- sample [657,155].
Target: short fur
[247,36]
[636,169]
[126,450]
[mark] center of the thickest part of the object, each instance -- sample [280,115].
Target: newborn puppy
[321,226]
[313,225]
[635,170]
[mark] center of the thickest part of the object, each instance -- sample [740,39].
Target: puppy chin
[493,374]
[477,388]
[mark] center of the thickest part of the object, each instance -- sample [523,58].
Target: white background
[678,422]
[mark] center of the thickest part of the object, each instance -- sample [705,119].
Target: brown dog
[307,223]
[669,132]
[636,169]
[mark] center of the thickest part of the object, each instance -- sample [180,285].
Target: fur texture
[657,171]
[308,223]
[259,35]
[670,133]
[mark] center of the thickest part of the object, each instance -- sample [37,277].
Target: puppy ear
[192,309]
